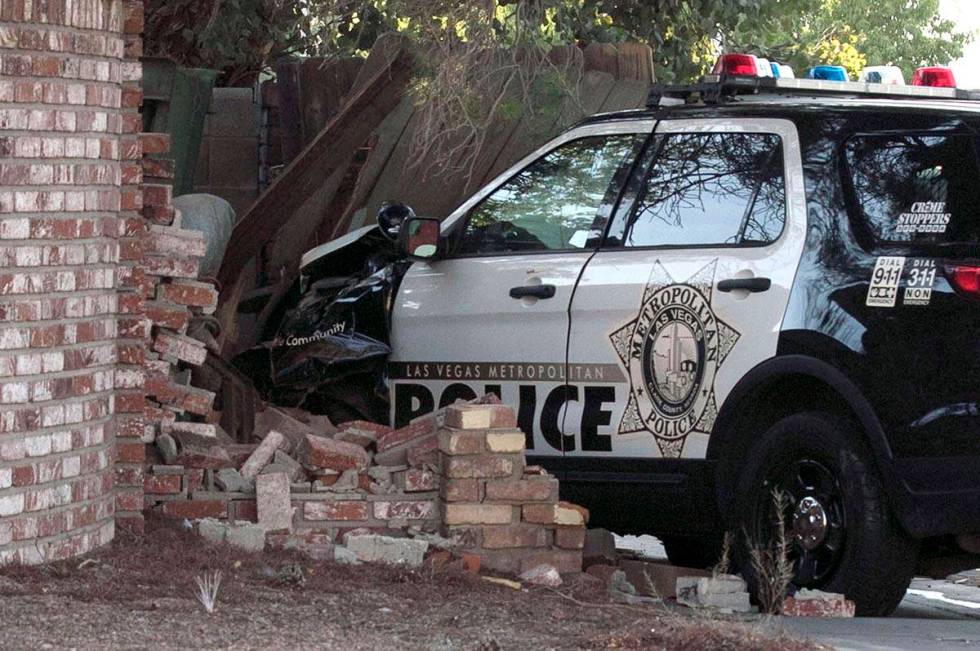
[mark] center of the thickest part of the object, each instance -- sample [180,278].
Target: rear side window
[916,191]
[709,189]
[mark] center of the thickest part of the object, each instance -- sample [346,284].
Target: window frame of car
[455,224]
[789,143]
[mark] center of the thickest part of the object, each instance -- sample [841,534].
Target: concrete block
[372,548]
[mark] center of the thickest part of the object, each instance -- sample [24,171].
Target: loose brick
[192,294]
[263,454]
[320,452]
[272,502]
[183,348]
[399,437]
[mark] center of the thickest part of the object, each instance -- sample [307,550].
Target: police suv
[757,298]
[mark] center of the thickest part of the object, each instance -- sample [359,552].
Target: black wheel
[843,536]
[699,552]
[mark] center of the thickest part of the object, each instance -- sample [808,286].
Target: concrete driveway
[934,615]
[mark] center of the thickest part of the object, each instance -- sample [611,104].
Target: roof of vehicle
[726,96]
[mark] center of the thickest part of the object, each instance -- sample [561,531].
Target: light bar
[722,85]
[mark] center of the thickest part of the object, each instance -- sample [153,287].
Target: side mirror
[391,216]
[419,238]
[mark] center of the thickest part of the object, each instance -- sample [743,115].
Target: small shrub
[207,589]
[770,561]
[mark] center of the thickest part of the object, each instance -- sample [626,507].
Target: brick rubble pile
[455,479]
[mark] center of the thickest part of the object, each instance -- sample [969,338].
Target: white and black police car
[755,284]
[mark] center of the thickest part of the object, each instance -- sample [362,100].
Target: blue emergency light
[827,73]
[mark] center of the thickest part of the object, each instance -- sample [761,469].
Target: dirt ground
[140,593]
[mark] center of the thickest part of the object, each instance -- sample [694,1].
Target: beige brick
[505,441]
[455,514]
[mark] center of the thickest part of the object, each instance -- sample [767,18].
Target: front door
[688,291]
[492,317]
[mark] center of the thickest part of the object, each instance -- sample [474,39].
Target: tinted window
[559,202]
[920,189]
[709,189]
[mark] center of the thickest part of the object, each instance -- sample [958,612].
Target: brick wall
[61,190]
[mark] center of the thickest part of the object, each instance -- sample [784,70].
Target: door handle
[537,291]
[746,284]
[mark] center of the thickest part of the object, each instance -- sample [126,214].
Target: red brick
[162,484]
[460,490]
[518,535]
[817,607]
[321,452]
[570,537]
[404,509]
[130,452]
[523,490]
[426,451]
[155,143]
[167,315]
[190,294]
[195,479]
[182,347]
[244,510]
[419,429]
[418,480]
[476,467]
[194,509]
[347,510]
[204,457]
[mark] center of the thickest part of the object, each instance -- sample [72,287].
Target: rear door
[492,317]
[688,291]
[915,202]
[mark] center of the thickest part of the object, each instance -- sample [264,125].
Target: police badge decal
[671,352]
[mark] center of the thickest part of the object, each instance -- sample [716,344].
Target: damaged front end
[330,348]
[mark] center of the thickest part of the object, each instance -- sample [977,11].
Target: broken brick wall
[61,190]
[160,299]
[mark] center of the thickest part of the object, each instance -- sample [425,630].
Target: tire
[700,552]
[856,546]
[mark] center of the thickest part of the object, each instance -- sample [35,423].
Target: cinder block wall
[61,75]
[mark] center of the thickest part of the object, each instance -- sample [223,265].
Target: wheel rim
[813,515]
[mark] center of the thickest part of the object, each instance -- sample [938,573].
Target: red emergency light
[936,76]
[737,65]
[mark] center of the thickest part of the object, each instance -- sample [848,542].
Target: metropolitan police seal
[671,352]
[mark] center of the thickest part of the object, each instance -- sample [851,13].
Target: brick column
[506,512]
[60,178]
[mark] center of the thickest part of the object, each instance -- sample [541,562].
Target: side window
[709,189]
[559,202]
[916,189]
